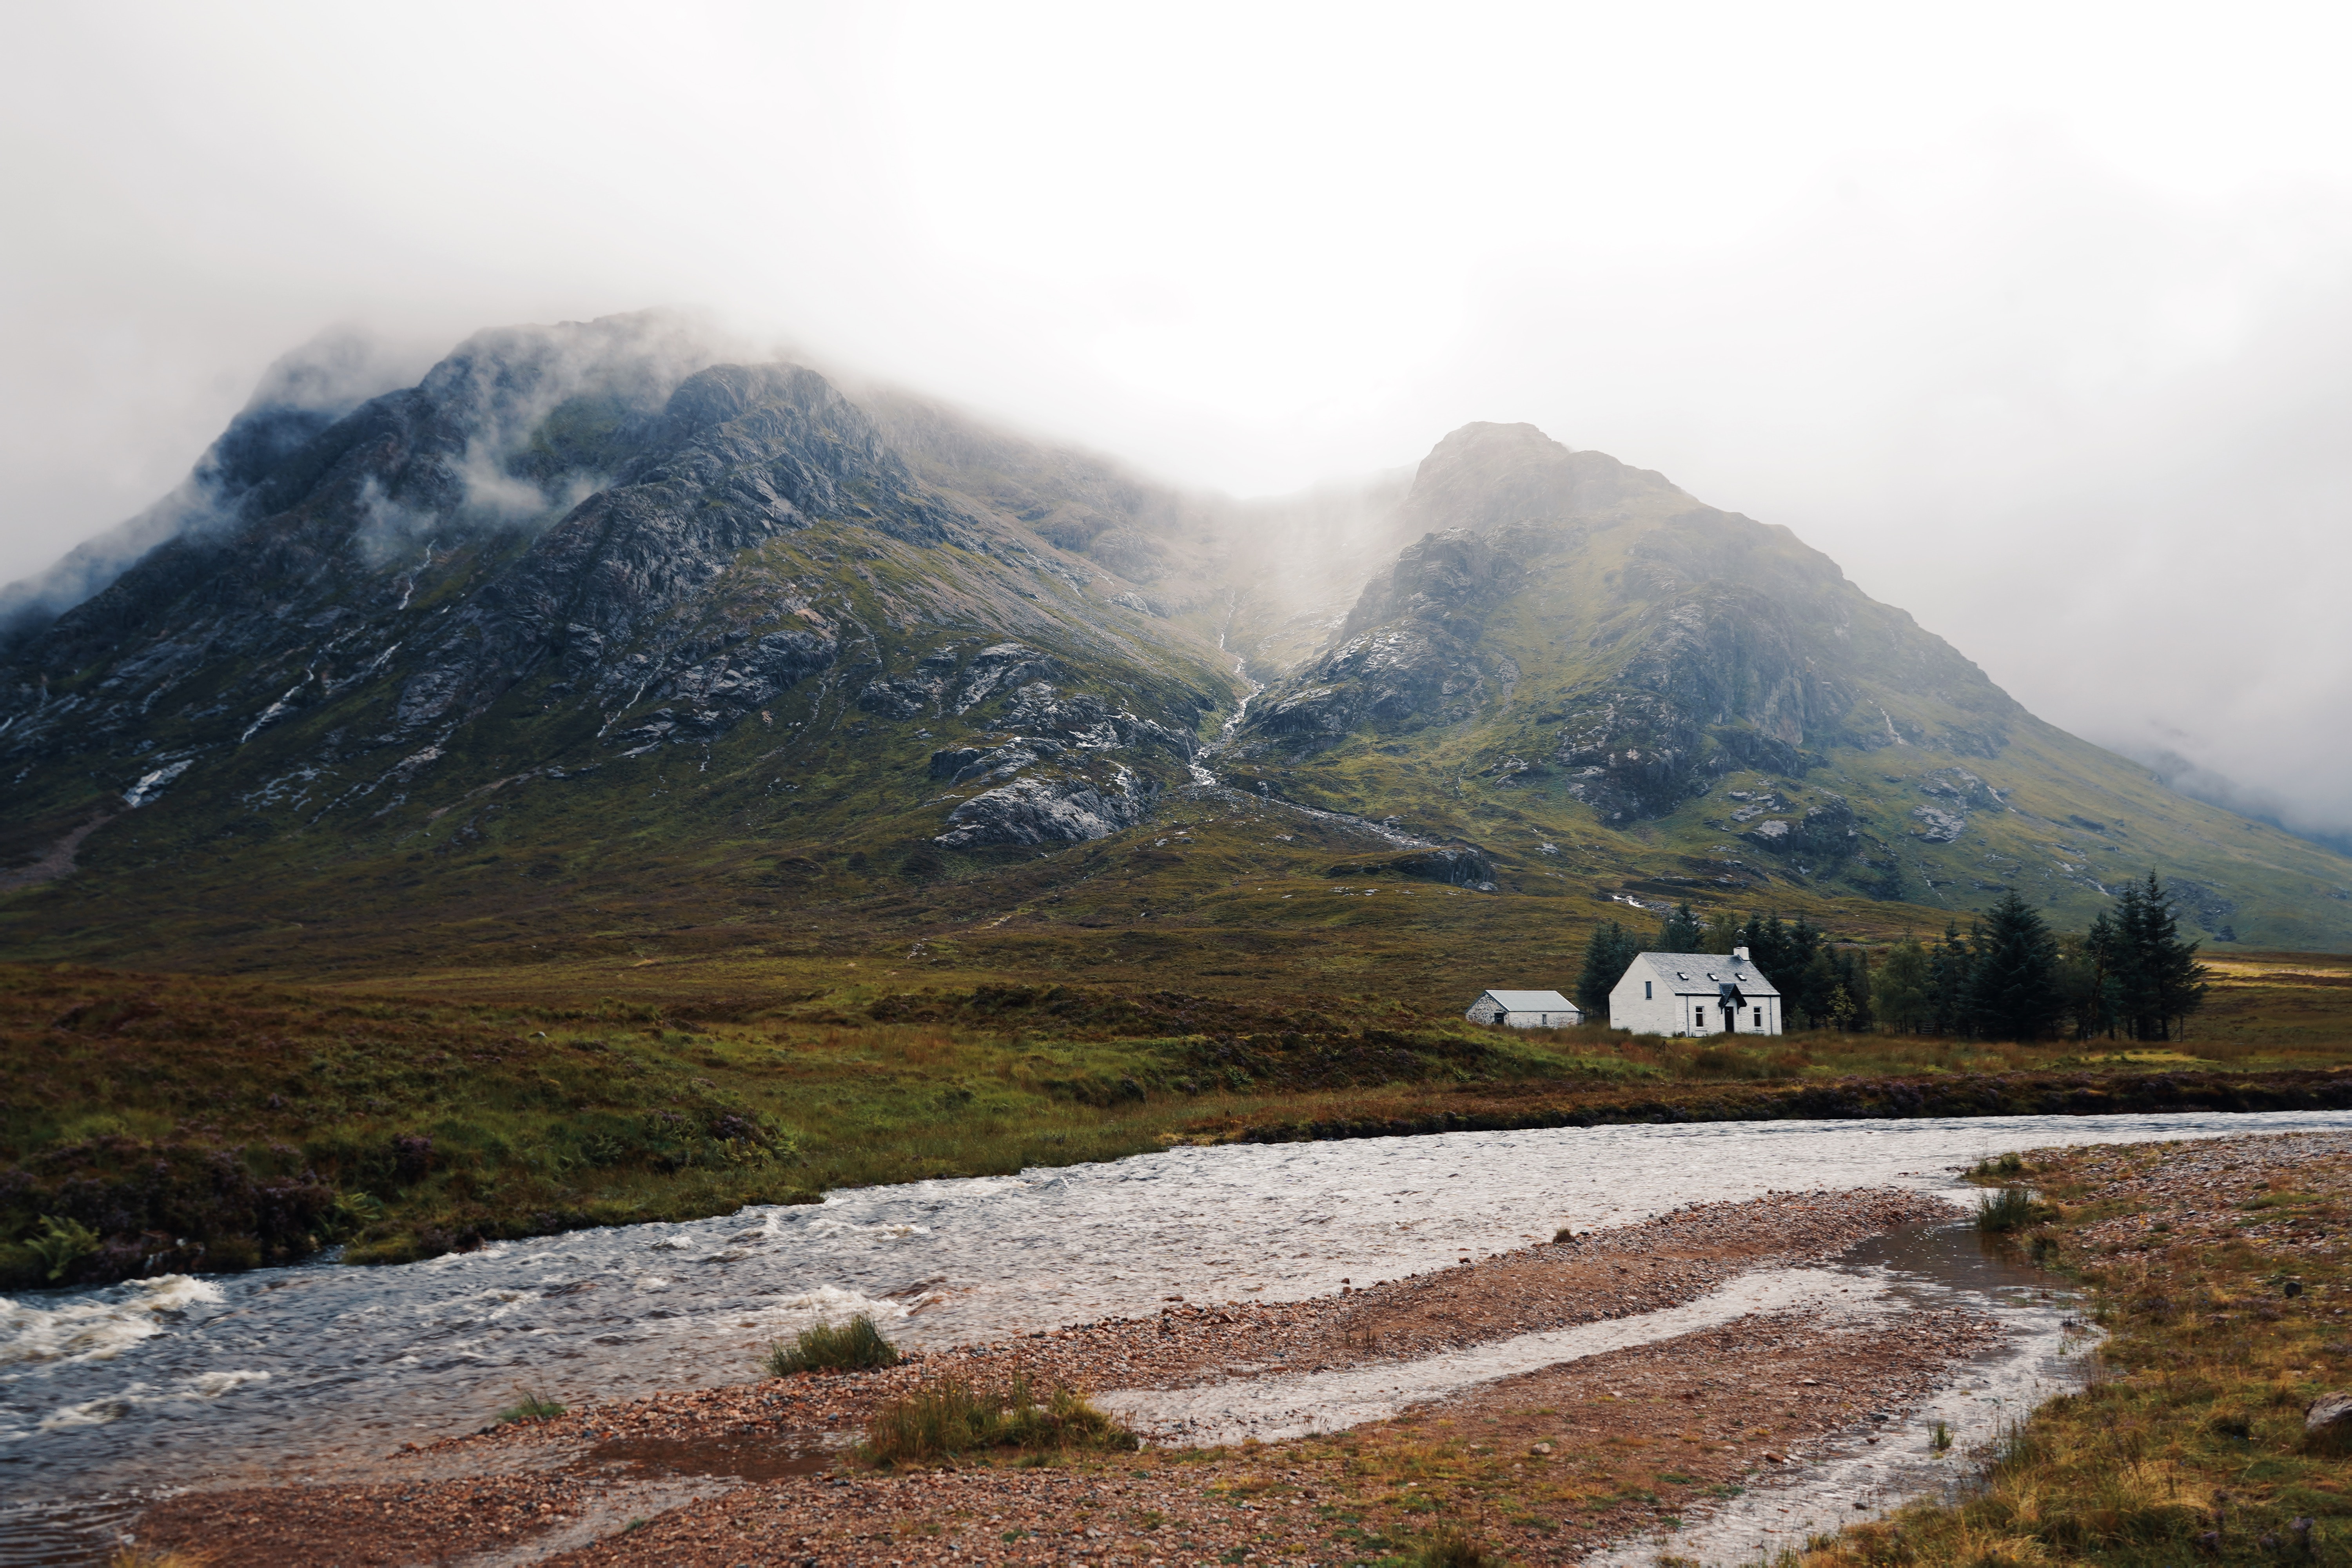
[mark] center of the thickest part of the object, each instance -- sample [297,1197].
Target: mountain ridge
[906,653]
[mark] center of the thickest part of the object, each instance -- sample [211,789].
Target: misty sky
[2037,318]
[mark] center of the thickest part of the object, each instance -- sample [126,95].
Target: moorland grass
[952,1419]
[1454,1549]
[2188,1444]
[529,1405]
[254,1123]
[854,1346]
[2011,1208]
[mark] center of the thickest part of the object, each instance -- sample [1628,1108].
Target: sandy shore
[1558,1460]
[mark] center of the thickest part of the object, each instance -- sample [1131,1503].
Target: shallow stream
[171,1381]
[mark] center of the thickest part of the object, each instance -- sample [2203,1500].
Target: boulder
[2329,1414]
[1036,809]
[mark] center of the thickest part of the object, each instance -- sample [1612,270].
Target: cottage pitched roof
[1695,973]
[1531,1001]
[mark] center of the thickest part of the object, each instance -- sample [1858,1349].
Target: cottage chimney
[1741,953]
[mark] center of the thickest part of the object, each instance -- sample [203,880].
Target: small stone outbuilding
[1525,1010]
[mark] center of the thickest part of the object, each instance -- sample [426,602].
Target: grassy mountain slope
[1581,650]
[588,653]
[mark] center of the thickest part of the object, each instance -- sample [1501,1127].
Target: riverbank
[1549,1463]
[153,1123]
[2222,1274]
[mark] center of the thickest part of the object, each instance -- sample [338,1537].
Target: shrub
[2011,1208]
[61,1244]
[532,1406]
[350,1213]
[827,1348]
[941,1420]
[1455,1551]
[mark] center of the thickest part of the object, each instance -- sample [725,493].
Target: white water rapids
[168,1381]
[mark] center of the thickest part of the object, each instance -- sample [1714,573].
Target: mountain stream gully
[112,1397]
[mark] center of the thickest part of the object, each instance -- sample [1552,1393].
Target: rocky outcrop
[1059,781]
[1820,834]
[1003,668]
[1952,794]
[1454,865]
[1406,655]
[1630,755]
[1937,826]
[741,455]
[1052,807]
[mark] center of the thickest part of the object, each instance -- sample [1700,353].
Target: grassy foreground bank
[153,1122]
[2222,1276]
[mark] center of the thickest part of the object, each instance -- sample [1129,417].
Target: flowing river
[172,1380]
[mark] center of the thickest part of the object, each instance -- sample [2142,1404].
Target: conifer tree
[2013,985]
[2149,980]
[1951,965]
[1815,989]
[2125,961]
[1901,993]
[1607,956]
[2086,984]
[1767,942]
[1853,981]
[2175,981]
[1721,933]
[1681,931]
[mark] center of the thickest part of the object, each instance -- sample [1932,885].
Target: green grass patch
[952,1420]
[2011,1208]
[529,1405]
[853,1346]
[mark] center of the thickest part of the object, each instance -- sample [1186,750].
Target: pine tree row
[2131,976]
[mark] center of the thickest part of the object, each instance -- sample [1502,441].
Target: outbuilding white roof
[1531,1001]
[1688,973]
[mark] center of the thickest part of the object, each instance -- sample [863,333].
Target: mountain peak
[602,608]
[1487,477]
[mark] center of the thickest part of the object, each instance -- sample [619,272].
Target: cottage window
[1759,1018]
[1646,991]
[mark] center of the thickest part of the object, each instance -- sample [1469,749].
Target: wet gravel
[518,1493]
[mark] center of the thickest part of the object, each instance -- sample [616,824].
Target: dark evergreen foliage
[1901,996]
[2139,979]
[1951,963]
[1607,956]
[2009,978]
[1681,931]
[2012,986]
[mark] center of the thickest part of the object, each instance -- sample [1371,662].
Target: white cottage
[1695,994]
[1525,1010]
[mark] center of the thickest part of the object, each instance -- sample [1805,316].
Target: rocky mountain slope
[1581,632]
[593,632]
